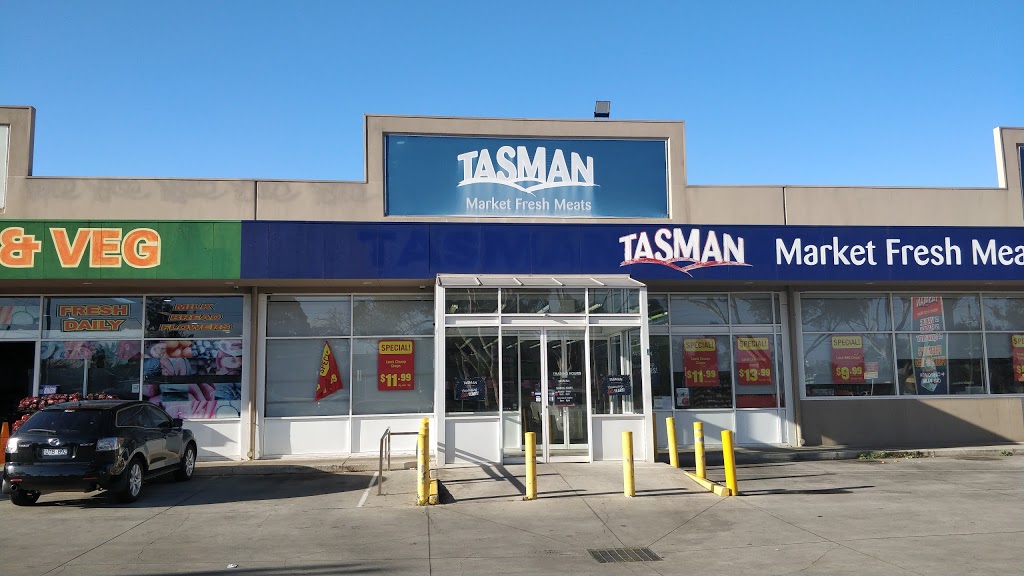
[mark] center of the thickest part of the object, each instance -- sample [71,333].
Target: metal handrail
[385,449]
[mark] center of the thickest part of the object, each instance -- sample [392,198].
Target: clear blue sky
[772,92]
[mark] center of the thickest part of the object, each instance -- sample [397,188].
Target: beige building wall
[916,422]
[30,197]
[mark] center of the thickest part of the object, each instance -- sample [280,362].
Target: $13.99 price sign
[395,365]
[848,359]
[753,360]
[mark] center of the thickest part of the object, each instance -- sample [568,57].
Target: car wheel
[187,465]
[132,486]
[24,497]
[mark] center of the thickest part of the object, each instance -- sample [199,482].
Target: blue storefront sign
[525,177]
[347,250]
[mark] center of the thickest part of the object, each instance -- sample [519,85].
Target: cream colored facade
[813,422]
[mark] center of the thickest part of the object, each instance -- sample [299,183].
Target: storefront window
[936,344]
[1004,341]
[614,301]
[386,367]
[931,363]
[550,301]
[840,364]
[471,370]
[293,373]
[309,316]
[392,376]
[657,309]
[699,310]
[90,367]
[19,318]
[661,369]
[471,301]
[848,314]
[958,313]
[756,373]
[393,315]
[752,309]
[703,371]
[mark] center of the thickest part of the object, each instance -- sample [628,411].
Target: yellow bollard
[4,435]
[629,488]
[531,466]
[422,474]
[673,452]
[698,450]
[425,430]
[730,462]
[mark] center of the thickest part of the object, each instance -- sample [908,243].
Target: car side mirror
[177,423]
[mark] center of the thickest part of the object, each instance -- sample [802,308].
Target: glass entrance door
[544,384]
[566,393]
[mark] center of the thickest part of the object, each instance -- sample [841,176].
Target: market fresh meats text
[895,253]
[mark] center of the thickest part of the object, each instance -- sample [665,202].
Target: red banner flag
[329,380]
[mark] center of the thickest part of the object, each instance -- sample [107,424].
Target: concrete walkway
[904,516]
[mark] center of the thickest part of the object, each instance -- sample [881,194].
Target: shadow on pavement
[202,490]
[843,490]
[318,570]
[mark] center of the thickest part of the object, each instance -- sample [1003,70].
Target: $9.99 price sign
[847,359]
[395,365]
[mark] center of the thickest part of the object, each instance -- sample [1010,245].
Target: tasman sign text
[526,177]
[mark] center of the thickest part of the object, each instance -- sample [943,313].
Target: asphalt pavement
[900,516]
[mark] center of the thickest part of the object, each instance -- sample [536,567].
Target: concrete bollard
[673,451]
[629,486]
[698,450]
[729,457]
[531,466]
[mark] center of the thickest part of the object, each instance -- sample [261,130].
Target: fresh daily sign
[525,177]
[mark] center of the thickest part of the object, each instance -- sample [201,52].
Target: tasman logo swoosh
[517,169]
[683,252]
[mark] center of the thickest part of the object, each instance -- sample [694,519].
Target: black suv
[96,444]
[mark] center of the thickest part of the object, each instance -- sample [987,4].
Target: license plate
[55,451]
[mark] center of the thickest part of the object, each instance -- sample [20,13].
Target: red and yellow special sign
[753,360]
[848,359]
[1017,351]
[396,366]
[700,362]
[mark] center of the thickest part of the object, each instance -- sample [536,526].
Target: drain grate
[615,555]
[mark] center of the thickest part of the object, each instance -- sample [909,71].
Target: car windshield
[71,420]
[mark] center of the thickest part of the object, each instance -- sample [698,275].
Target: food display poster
[931,371]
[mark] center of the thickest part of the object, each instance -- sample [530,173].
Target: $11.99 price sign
[395,365]
[700,362]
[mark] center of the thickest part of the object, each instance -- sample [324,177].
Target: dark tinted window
[66,421]
[131,417]
[153,417]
